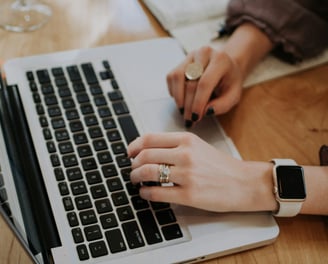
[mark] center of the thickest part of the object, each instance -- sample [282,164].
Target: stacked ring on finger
[164,173]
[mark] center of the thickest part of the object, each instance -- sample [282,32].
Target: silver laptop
[66,120]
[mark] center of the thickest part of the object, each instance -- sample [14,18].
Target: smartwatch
[289,187]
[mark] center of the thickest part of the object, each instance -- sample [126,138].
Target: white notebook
[194,23]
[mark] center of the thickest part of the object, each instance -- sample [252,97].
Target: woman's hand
[220,86]
[202,176]
[216,92]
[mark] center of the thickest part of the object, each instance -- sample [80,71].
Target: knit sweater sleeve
[298,28]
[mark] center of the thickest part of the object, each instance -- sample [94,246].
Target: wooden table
[285,118]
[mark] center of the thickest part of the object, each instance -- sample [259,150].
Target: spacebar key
[129,128]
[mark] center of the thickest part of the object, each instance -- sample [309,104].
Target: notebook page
[175,13]
[194,36]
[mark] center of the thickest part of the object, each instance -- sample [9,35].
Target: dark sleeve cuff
[297,32]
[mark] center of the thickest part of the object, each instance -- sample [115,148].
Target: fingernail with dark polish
[194,117]
[188,123]
[210,111]
[181,110]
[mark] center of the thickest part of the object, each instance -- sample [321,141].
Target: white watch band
[286,208]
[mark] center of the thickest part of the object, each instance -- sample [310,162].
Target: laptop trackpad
[162,115]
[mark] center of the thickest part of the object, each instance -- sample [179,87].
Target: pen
[221,32]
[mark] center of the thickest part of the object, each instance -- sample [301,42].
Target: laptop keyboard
[86,133]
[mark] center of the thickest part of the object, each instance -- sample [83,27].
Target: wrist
[261,185]
[247,46]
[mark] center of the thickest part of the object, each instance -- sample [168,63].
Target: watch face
[290,182]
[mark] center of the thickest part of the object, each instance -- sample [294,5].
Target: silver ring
[164,173]
[193,71]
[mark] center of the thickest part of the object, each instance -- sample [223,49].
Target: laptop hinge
[36,209]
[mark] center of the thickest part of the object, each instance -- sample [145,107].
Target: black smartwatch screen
[290,182]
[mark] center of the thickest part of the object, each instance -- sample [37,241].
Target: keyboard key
[113,135]
[77,235]
[61,135]
[73,73]
[115,241]
[89,73]
[104,157]
[74,174]
[118,147]
[79,87]
[114,184]
[92,232]
[3,195]
[125,213]
[80,138]
[63,188]
[83,202]
[64,92]
[108,221]
[129,129]
[103,206]
[120,198]
[72,219]
[68,204]
[82,252]
[93,177]
[139,203]
[98,191]
[165,217]
[88,217]
[115,95]
[60,81]
[133,235]
[126,173]
[78,188]
[172,232]
[95,89]
[89,164]
[84,151]
[109,170]
[149,227]
[30,76]
[87,109]
[120,108]
[43,76]
[65,147]
[104,112]
[70,160]
[98,249]
[99,144]
[115,84]
[58,71]
[76,126]
[123,161]
[47,89]
[59,174]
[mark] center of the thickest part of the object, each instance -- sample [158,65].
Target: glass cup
[23,15]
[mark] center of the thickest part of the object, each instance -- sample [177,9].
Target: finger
[211,78]
[145,173]
[154,156]
[172,194]
[176,82]
[227,99]
[190,90]
[150,172]
[154,140]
